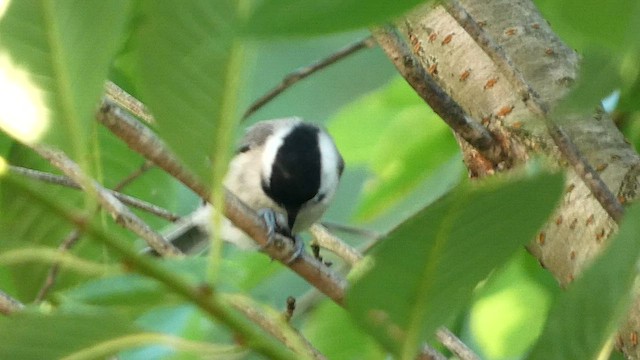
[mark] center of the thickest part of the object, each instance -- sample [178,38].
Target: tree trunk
[494,74]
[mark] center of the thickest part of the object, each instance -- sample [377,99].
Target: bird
[287,170]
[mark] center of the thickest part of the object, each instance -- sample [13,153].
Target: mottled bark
[502,75]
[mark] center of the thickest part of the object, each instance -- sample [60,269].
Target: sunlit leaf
[509,311]
[51,73]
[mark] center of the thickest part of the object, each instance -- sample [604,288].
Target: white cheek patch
[329,166]
[271,147]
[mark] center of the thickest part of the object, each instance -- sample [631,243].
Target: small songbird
[285,169]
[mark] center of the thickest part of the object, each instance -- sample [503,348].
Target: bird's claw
[270,221]
[299,248]
[275,225]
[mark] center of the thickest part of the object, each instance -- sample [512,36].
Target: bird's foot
[277,227]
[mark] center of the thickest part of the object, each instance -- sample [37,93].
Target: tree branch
[537,106]
[429,90]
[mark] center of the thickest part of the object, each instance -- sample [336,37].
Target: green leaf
[294,17]
[189,65]
[402,141]
[614,24]
[335,335]
[131,291]
[29,335]
[24,222]
[599,77]
[587,315]
[427,268]
[54,59]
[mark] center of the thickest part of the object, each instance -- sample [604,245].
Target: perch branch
[428,89]
[144,141]
[304,72]
[537,106]
[120,213]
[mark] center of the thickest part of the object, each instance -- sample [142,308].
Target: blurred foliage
[198,66]
[606,36]
[470,231]
[307,17]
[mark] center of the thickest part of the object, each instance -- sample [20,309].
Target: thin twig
[146,166]
[304,72]
[71,239]
[455,345]
[128,102]
[143,140]
[330,242]
[367,234]
[65,181]
[430,91]
[120,213]
[536,105]
[8,304]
